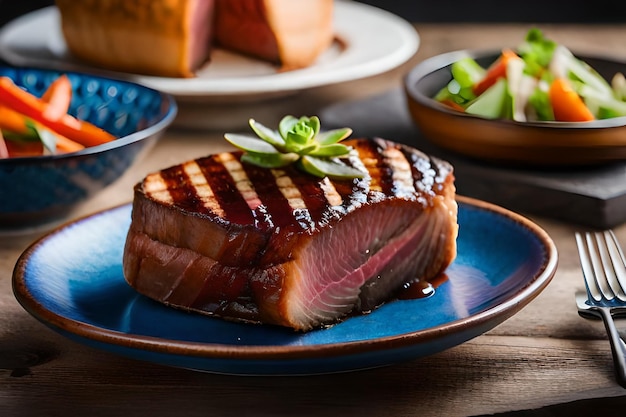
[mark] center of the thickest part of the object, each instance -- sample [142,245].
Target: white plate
[369,41]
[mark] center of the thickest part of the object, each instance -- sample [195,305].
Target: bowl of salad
[64,136]
[537,104]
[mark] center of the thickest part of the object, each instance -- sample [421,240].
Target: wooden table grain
[544,356]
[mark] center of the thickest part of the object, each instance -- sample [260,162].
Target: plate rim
[288,82]
[201,350]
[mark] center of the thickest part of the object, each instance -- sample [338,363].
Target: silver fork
[603,265]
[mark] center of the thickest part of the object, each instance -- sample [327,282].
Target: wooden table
[545,355]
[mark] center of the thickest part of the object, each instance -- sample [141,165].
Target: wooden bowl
[548,144]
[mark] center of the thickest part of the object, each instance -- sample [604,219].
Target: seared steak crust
[279,246]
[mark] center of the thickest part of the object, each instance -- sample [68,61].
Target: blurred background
[429,11]
[525,11]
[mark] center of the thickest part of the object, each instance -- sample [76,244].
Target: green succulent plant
[299,141]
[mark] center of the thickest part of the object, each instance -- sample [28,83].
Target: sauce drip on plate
[418,288]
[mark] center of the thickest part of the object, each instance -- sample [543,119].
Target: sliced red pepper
[495,71]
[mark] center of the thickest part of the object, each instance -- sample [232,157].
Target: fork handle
[618,347]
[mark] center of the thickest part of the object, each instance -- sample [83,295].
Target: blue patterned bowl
[38,190]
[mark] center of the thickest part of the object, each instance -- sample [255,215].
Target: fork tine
[599,252]
[605,275]
[587,267]
[617,280]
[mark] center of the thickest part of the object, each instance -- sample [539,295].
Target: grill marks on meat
[279,246]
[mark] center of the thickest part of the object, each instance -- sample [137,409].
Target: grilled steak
[280,246]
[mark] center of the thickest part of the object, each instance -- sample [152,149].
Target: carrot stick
[58,97]
[567,104]
[63,144]
[16,123]
[453,105]
[13,121]
[19,100]
[23,102]
[4,151]
[21,148]
[79,131]
[495,71]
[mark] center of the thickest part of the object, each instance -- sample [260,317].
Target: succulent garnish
[299,141]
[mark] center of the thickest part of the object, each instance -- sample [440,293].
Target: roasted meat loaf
[280,246]
[173,38]
[169,38]
[276,30]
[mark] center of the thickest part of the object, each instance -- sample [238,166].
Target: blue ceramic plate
[71,280]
